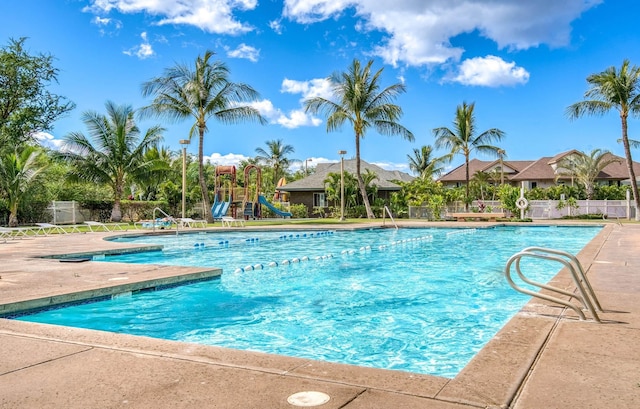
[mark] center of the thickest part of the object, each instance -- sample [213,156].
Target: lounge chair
[106,227]
[230,221]
[15,232]
[189,222]
[48,228]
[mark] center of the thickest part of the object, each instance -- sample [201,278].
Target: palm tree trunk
[632,174]
[466,173]
[203,183]
[116,212]
[361,186]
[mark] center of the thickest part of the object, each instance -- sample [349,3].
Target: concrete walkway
[543,358]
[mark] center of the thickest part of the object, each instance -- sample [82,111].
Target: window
[319,200]
[534,185]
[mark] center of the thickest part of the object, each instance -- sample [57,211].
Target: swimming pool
[418,300]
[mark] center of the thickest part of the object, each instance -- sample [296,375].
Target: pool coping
[514,350]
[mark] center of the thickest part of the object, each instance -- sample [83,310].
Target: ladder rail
[577,265]
[586,297]
[386,209]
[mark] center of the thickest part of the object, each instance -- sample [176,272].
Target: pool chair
[15,232]
[46,229]
[230,221]
[189,222]
[106,227]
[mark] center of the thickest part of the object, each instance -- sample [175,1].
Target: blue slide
[219,209]
[263,200]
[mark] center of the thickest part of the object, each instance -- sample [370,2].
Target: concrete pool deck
[543,358]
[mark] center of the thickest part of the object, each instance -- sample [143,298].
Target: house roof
[315,181]
[540,169]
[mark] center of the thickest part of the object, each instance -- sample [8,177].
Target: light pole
[342,153]
[305,165]
[184,143]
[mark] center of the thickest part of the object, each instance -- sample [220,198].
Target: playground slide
[263,200]
[219,209]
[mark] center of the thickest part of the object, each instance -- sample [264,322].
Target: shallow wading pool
[417,300]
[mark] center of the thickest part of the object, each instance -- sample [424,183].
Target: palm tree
[424,164]
[361,102]
[18,170]
[113,151]
[619,90]
[276,157]
[200,92]
[462,139]
[585,168]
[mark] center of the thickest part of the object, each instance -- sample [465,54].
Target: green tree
[463,140]
[619,90]
[113,151]
[26,106]
[201,92]
[585,168]
[275,156]
[361,102]
[18,171]
[424,164]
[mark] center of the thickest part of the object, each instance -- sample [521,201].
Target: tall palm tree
[463,140]
[200,92]
[276,157]
[19,169]
[619,90]
[424,164]
[113,152]
[361,102]
[585,168]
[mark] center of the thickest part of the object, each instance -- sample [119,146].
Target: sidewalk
[542,359]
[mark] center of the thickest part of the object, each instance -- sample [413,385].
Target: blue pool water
[418,300]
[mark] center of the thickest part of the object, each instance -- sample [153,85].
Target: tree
[276,157]
[619,90]
[26,107]
[585,168]
[462,139]
[18,171]
[424,164]
[200,92]
[361,102]
[113,151]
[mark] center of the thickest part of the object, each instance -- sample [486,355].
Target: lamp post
[184,143]
[305,165]
[342,153]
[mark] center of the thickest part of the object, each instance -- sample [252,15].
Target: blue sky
[521,62]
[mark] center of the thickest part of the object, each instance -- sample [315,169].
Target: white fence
[542,209]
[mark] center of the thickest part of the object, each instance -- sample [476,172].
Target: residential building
[542,172]
[310,190]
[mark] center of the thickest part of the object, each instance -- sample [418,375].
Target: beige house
[310,190]
[541,173]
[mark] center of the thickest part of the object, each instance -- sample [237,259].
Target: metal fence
[541,209]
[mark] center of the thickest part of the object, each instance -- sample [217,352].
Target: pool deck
[543,358]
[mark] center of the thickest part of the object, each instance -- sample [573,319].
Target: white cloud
[294,119]
[226,160]
[245,51]
[276,26]
[143,50]
[419,32]
[318,87]
[214,16]
[48,141]
[402,167]
[490,71]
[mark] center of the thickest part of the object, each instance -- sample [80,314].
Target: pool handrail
[587,297]
[171,218]
[386,209]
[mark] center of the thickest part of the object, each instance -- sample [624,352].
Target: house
[310,190]
[541,173]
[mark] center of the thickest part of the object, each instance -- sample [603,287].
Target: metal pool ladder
[586,295]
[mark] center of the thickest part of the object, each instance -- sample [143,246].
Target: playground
[229,200]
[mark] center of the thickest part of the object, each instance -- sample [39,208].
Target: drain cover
[308,398]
